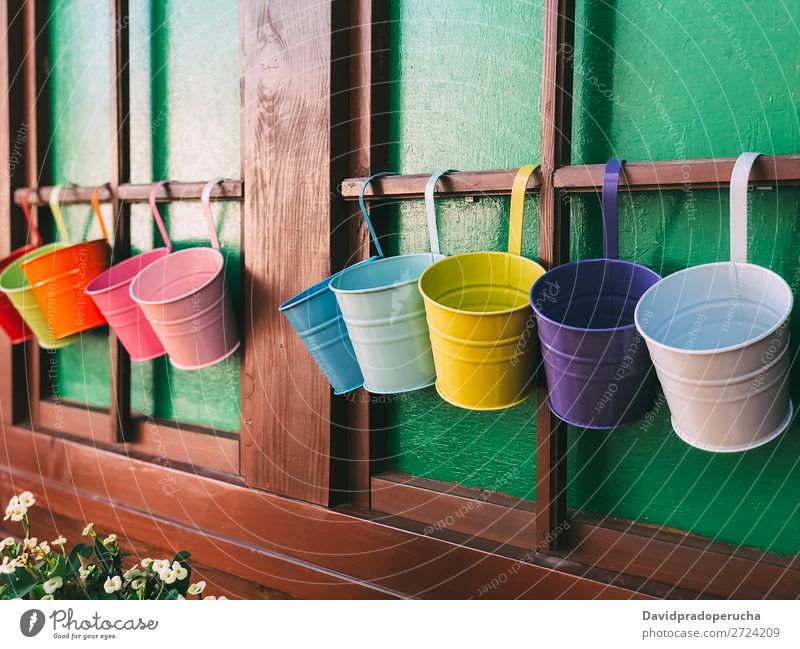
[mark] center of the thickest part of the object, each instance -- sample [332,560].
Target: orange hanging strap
[99,214]
[26,210]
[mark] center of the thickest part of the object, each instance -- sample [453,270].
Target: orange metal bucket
[59,277]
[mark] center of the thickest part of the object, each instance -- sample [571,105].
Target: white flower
[13,502]
[136,584]
[146,562]
[8,566]
[7,542]
[60,541]
[196,589]
[221,597]
[209,597]
[53,584]
[110,539]
[30,543]
[180,572]
[159,564]
[89,529]
[46,597]
[83,573]
[130,573]
[26,498]
[180,596]
[44,547]
[16,512]
[167,575]
[113,584]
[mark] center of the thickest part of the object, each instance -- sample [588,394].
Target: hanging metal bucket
[15,285]
[718,335]
[599,374]
[185,299]
[481,324]
[11,321]
[385,314]
[110,291]
[59,277]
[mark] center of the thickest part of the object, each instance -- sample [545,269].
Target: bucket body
[59,279]
[184,298]
[719,340]
[482,328]
[315,316]
[10,320]
[385,318]
[15,285]
[598,370]
[110,291]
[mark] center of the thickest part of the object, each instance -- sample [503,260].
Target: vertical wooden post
[7,382]
[286,142]
[366,153]
[120,410]
[551,452]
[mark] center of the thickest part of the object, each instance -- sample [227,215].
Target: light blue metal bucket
[315,316]
[385,314]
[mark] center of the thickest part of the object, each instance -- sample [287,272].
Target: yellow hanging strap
[99,214]
[518,189]
[55,209]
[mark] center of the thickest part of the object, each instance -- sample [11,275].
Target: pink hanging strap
[205,199]
[157,215]
[26,210]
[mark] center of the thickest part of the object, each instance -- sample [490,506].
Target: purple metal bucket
[598,369]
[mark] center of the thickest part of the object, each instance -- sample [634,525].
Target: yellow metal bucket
[481,324]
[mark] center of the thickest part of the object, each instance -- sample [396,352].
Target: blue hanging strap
[364,212]
[611,209]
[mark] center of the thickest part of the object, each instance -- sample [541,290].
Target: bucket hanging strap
[55,210]
[26,210]
[151,199]
[738,200]
[205,199]
[430,209]
[611,209]
[99,214]
[518,189]
[364,212]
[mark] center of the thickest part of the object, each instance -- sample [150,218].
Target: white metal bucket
[719,339]
[385,314]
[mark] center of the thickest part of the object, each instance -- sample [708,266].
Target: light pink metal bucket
[112,295]
[184,298]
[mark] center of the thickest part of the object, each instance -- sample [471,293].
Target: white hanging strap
[739,181]
[430,209]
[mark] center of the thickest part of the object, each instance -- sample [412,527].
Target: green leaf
[103,556]
[61,568]
[172,593]
[74,562]
[182,557]
[20,584]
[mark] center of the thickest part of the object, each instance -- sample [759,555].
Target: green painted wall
[184,72]
[652,81]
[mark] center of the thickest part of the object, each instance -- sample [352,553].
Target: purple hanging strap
[611,209]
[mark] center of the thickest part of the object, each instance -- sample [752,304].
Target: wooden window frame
[381,535]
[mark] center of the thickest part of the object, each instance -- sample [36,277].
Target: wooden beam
[119,100]
[679,560]
[286,141]
[386,556]
[551,432]
[229,190]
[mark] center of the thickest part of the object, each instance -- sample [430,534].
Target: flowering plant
[33,569]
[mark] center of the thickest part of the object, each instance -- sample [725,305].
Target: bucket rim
[136,280]
[39,250]
[320,287]
[450,309]
[67,246]
[730,348]
[375,289]
[98,291]
[577,262]
[15,254]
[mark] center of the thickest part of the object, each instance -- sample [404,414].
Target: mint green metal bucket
[385,314]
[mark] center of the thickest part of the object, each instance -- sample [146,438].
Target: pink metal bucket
[112,295]
[184,298]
